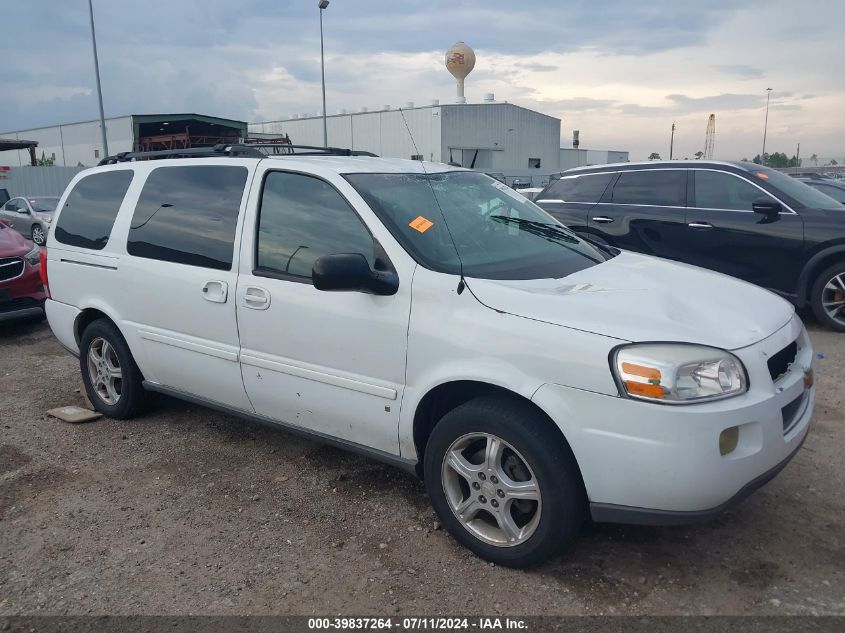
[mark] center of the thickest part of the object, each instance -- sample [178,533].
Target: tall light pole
[672,141]
[323,4]
[97,73]
[766,124]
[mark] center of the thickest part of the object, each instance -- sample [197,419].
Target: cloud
[741,70]
[723,101]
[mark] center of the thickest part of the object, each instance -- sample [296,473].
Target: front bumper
[22,296]
[657,464]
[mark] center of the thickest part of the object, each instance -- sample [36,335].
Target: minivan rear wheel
[503,482]
[827,297]
[112,380]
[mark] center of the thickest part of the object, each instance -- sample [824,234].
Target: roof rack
[246,150]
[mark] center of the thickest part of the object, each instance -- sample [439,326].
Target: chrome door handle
[602,219]
[256,298]
[215,291]
[700,225]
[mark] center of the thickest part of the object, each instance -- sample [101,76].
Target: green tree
[44,161]
[815,159]
[654,156]
[833,163]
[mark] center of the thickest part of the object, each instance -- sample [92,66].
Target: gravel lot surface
[186,510]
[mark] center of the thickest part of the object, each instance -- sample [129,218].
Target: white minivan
[433,318]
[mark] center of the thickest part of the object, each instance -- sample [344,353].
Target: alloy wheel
[491,489]
[38,235]
[833,298]
[104,371]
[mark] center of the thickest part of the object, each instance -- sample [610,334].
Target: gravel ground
[189,511]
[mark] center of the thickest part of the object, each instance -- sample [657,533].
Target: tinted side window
[658,187]
[718,190]
[303,218]
[87,218]
[834,192]
[188,215]
[587,188]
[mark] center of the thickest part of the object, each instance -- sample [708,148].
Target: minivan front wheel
[503,482]
[112,380]
[827,297]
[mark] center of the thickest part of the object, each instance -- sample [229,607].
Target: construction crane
[710,138]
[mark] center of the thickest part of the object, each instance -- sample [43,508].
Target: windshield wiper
[550,232]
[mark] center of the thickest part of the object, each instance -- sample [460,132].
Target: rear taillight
[44,280]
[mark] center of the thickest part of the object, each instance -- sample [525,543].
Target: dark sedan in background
[737,218]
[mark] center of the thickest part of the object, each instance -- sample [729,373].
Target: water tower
[460,60]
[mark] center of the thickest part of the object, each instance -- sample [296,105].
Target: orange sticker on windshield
[421,224]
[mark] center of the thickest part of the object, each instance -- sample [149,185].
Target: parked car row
[434,318]
[741,219]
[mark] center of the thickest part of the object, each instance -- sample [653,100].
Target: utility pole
[323,4]
[672,141]
[798,156]
[766,124]
[97,73]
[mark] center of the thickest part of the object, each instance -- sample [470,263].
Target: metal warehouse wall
[382,132]
[508,134]
[571,157]
[38,181]
[72,144]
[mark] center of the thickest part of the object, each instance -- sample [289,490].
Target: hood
[641,298]
[12,243]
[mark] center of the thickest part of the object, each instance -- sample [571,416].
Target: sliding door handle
[700,225]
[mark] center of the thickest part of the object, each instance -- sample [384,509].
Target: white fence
[37,181]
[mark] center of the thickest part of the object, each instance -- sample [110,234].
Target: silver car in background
[30,216]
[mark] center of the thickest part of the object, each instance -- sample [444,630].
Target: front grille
[779,363]
[10,267]
[791,412]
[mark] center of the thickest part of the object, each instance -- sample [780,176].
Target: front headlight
[673,373]
[47,218]
[34,256]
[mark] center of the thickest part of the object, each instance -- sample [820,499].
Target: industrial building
[489,136]
[80,144]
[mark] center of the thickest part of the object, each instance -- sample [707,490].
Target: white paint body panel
[356,366]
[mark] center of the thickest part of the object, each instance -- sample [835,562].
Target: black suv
[737,218]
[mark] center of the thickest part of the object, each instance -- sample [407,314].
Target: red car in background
[22,291]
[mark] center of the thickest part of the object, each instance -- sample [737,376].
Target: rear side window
[88,215]
[188,215]
[587,188]
[303,218]
[719,190]
[654,187]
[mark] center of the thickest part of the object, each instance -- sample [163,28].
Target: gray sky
[619,70]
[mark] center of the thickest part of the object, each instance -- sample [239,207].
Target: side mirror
[352,272]
[766,206]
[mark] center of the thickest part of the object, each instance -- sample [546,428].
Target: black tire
[544,450]
[817,297]
[41,241]
[133,397]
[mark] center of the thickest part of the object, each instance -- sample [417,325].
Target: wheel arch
[445,397]
[88,316]
[815,265]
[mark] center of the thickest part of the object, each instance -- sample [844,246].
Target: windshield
[497,232]
[43,205]
[802,193]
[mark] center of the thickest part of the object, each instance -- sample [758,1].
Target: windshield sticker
[421,224]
